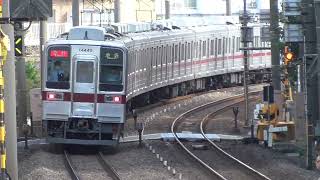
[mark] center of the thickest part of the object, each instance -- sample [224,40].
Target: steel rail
[107,167]
[181,116]
[204,120]
[72,172]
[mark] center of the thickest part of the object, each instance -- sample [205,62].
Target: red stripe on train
[82,97]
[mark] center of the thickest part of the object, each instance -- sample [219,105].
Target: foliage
[33,74]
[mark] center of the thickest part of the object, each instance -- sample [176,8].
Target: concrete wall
[36,108]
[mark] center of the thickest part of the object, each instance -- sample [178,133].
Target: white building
[206,7]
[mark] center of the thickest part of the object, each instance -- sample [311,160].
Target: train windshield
[111,70]
[58,69]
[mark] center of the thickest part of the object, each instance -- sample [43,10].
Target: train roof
[92,35]
[116,43]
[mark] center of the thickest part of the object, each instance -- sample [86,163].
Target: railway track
[228,161]
[104,164]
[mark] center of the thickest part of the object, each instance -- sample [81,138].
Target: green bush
[33,74]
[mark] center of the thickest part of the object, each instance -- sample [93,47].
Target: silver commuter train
[90,75]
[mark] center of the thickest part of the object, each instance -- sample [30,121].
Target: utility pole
[117,11]
[228,8]
[21,81]
[75,12]
[245,34]
[10,98]
[275,50]
[43,38]
[167,9]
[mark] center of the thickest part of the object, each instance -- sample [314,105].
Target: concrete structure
[36,109]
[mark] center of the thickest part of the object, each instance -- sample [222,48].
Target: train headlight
[53,96]
[114,99]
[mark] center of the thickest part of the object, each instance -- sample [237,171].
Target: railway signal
[18,45]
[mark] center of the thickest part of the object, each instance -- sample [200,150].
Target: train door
[84,87]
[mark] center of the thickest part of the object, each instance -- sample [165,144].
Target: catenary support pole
[245,61]
[228,7]
[21,87]
[117,11]
[75,12]
[167,9]
[10,99]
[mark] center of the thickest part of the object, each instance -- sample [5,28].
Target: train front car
[83,91]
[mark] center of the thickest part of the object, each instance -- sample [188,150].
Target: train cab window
[84,72]
[58,68]
[111,70]
[111,74]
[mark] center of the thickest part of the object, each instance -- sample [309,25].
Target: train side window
[237,44]
[219,46]
[58,69]
[208,48]
[229,46]
[182,53]
[204,48]
[233,44]
[194,50]
[189,51]
[154,57]
[176,48]
[199,49]
[164,54]
[160,56]
[212,47]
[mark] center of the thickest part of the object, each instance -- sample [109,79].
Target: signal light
[288,56]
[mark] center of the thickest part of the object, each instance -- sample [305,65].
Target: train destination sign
[111,56]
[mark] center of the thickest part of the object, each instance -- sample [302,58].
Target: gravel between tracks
[37,164]
[88,167]
[190,169]
[132,162]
